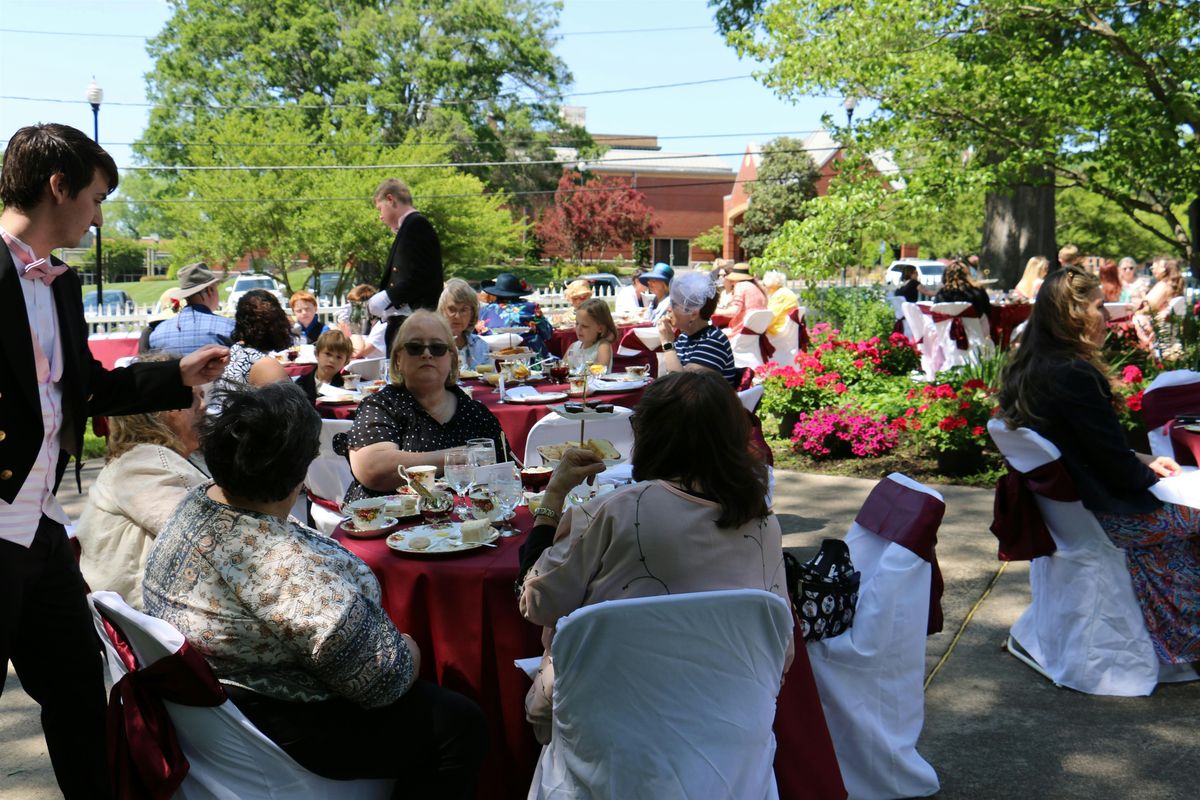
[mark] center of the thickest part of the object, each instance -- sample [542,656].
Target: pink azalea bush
[842,432]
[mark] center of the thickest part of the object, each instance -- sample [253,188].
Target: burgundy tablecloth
[338,411]
[462,612]
[1003,318]
[107,351]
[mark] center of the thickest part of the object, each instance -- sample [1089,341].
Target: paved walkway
[993,728]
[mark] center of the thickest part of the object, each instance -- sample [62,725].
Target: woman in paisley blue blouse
[505,308]
[291,621]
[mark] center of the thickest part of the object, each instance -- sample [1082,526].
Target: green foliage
[1100,96]
[121,257]
[858,312]
[787,179]
[712,240]
[1099,227]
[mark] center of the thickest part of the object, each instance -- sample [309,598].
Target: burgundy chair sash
[805,341]
[764,344]
[144,758]
[957,329]
[330,505]
[898,325]
[1186,444]
[911,519]
[1016,519]
[1163,405]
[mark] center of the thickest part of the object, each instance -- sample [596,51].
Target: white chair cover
[870,678]
[747,346]
[1160,439]
[666,697]
[553,429]
[1118,311]
[925,336]
[787,341]
[1083,627]
[976,330]
[898,312]
[229,758]
[751,396]
[369,369]
[328,476]
[649,336]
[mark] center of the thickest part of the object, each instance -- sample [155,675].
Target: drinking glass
[598,370]
[459,474]
[483,452]
[507,492]
[575,361]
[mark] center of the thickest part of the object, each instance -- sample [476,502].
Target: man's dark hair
[260,445]
[690,427]
[37,152]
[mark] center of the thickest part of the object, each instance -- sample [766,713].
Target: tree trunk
[1018,225]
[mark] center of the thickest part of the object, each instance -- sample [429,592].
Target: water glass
[507,493]
[459,473]
[483,452]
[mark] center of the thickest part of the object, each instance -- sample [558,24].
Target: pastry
[419,543]
[475,530]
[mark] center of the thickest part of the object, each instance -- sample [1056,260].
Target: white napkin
[1182,490]
[329,390]
[521,391]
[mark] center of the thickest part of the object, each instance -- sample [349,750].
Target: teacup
[401,505]
[636,370]
[423,475]
[578,384]
[536,477]
[483,505]
[534,500]
[365,514]
[350,381]
[372,387]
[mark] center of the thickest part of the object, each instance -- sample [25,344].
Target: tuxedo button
[5,475]
[2,435]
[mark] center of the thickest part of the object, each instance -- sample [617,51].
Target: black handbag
[824,590]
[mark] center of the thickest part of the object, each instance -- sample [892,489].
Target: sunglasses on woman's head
[436,349]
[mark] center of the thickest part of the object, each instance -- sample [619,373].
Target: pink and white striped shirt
[19,521]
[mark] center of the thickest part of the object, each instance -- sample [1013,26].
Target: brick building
[685,190]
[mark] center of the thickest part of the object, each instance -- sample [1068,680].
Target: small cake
[475,530]
[419,543]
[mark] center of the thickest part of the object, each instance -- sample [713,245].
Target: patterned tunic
[393,415]
[275,607]
[237,371]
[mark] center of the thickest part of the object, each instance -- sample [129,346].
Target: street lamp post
[849,103]
[94,96]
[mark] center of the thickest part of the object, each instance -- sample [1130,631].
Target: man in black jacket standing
[52,183]
[413,276]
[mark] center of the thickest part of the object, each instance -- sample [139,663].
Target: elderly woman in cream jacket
[146,477]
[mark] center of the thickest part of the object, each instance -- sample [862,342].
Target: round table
[1003,318]
[463,614]
[108,347]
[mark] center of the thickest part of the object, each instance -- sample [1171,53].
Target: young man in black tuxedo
[413,277]
[53,181]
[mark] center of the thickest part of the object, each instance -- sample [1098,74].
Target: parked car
[115,302]
[245,283]
[327,293]
[929,273]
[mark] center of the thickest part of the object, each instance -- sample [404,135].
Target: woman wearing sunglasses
[421,414]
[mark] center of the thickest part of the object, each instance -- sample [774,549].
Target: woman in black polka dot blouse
[421,414]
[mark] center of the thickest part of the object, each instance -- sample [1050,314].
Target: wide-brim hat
[168,305]
[506,285]
[660,272]
[740,272]
[195,278]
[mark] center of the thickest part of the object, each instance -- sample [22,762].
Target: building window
[672,251]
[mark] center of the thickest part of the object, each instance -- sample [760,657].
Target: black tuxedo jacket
[87,388]
[414,266]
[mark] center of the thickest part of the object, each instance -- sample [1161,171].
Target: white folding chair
[925,336]
[329,476]
[898,313]
[670,696]
[368,369]
[649,336]
[228,757]
[554,428]
[787,341]
[750,397]
[747,345]
[1174,382]
[870,677]
[1118,311]
[1083,628]
[976,331]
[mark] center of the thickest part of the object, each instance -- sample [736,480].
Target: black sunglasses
[436,349]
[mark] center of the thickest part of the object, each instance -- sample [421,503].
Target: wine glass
[459,473]
[507,492]
[575,361]
[598,370]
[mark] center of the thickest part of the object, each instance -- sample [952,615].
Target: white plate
[510,330]
[552,462]
[538,399]
[604,385]
[345,400]
[445,538]
[560,409]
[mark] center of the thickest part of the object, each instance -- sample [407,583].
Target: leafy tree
[787,178]
[122,257]
[480,74]
[711,240]
[1100,96]
[600,214]
[1099,227]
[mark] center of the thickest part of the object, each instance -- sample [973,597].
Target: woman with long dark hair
[695,519]
[1056,384]
[260,326]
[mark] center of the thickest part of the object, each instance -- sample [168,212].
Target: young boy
[333,353]
[304,308]
[52,183]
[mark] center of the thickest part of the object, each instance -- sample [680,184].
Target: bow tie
[42,270]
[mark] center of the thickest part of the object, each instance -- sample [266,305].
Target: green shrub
[859,312]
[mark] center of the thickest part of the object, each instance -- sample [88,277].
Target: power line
[315,106]
[553,34]
[614,164]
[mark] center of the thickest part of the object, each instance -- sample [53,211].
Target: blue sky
[59,67]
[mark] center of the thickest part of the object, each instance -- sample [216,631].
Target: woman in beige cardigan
[145,478]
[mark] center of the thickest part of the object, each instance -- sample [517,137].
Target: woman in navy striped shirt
[698,343]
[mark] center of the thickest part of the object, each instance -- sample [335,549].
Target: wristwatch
[668,346]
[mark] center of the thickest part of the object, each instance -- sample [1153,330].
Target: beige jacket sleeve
[152,484]
[557,583]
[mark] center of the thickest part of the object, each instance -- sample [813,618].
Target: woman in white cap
[699,344]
